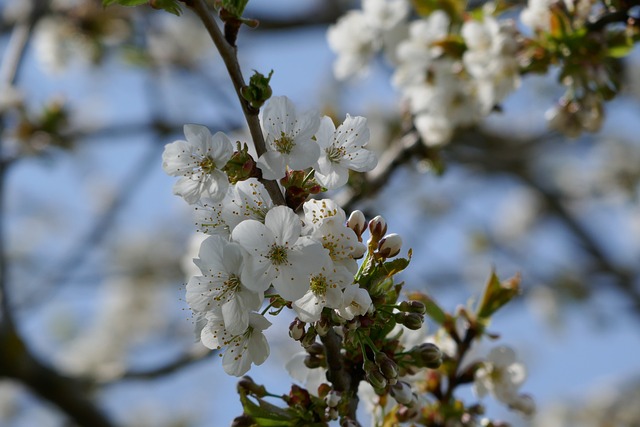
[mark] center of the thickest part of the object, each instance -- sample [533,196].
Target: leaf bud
[358,223]
[377,228]
[412,307]
[411,321]
[296,329]
[390,245]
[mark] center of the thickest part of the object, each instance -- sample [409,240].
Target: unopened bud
[322,326]
[333,398]
[247,384]
[315,349]
[387,366]
[402,392]
[312,361]
[331,413]
[412,307]
[243,421]
[411,321]
[427,355]
[296,329]
[377,228]
[309,337]
[357,222]
[376,379]
[390,245]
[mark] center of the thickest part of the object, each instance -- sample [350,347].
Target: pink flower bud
[390,245]
[377,227]
[357,222]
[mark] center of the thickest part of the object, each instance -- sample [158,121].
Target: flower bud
[296,329]
[403,394]
[412,307]
[357,222]
[331,413]
[315,349]
[247,385]
[309,337]
[243,421]
[376,379]
[377,228]
[390,245]
[411,321]
[427,355]
[348,422]
[322,326]
[387,366]
[333,398]
[312,361]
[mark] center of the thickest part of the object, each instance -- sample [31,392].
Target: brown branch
[230,59]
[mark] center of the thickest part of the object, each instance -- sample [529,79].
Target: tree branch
[230,58]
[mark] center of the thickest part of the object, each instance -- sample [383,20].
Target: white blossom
[288,136]
[325,290]
[242,350]
[198,162]
[385,14]
[356,302]
[342,149]
[355,41]
[277,253]
[326,223]
[220,286]
[500,375]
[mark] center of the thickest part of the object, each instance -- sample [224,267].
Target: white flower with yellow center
[355,302]
[325,290]
[243,349]
[220,288]
[198,162]
[500,375]
[277,254]
[288,136]
[342,149]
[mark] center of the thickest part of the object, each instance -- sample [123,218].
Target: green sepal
[266,414]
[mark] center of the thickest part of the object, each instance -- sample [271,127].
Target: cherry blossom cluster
[257,250]
[454,67]
[451,75]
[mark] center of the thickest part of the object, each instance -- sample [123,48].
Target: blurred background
[95,249]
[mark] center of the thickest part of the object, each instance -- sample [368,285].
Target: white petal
[273,165]
[188,188]
[284,224]
[176,158]
[236,317]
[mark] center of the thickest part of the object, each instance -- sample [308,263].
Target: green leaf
[106,3]
[265,414]
[497,294]
[171,6]
[235,7]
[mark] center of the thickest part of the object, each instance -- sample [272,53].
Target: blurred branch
[199,354]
